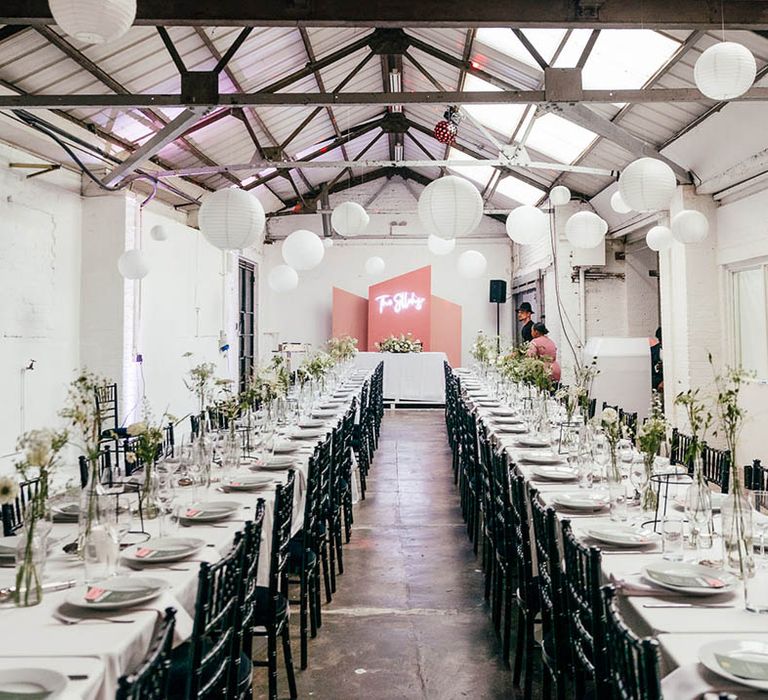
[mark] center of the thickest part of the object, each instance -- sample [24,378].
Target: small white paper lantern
[349,219]
[283,278]
[374,266]
[133,265]
[725,71]
[440,246]
[471,264]
[659,238]
[158,233]
[328,242]
[231,219]
[303,250]
[647,184]
[690,226]
[450,207]
[559,195]
[527,224]
[94,21]
[618,204]
[585,229]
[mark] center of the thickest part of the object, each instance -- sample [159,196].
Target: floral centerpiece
[404,343]
[315,367]
[146,442]
[650,437]
[201,380]
[483,350]
[268,382]
[343,348]
[614,431]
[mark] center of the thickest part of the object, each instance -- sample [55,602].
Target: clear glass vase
[30,563]
[698,510]
[617,492]
[649,499]
[89,506]
[151,507]
[736,515]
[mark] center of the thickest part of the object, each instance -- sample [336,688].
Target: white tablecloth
[414,376]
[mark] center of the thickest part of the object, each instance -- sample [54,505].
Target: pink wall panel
[401,305]
[446,329]
[350,317]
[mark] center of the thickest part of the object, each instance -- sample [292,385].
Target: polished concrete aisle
[408,620]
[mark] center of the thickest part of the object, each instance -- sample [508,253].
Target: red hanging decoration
[445,132]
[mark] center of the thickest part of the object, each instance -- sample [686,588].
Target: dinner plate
[302,433]
[116,592]
[285,447]
[501,411]
[540,458]
[488,403]
[743,661]
[163,549]
[249,482]
[310,423]
[717,500]
[23,683]
[325,413]
[273,463]
[532,441]
[691,579]
[209,511]
[507,420]
[555,473]
[587,502]
[514,428]
[66,513]
[622,535]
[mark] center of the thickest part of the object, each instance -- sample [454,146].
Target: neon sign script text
[402,301]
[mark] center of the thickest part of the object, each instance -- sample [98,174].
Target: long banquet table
[412,376]
[102,651]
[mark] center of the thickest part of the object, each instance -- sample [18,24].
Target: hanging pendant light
[450,207]
[94,21]
[559,196]
[527,224]
[231,219]
[349,219]
[283,278]
[647,184]
[374,266]
[133,265]
[725,71]
[659,238]
[585,229]
[303,250]
[690,226]
[471,264]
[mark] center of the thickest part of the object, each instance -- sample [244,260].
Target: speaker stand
[498,328]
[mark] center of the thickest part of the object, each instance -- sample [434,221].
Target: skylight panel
[574,47]
[501,118]
[545,41]
[558,138]
[519,191]
[479,174]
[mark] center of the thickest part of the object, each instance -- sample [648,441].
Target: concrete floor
[408,619]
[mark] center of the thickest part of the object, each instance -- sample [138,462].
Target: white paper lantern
[283,278]
[374,266]
[647,184]
[440,246]
[94,21]
[527,224]
[231,219]
[690,226]
[133,265]
[559,195]
[303,250]
[471,264]
[328,242]
[725,71]
[450,207]
[659,238]
[585,229]
[158,233]
[349,219]
[618,204]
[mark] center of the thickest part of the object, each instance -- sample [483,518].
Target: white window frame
[732,311]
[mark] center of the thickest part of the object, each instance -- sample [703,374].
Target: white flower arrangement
[400,344]
[9,490]
[342,348]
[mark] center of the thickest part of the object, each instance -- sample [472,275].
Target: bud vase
[698,508]
[736,514]
[617,493]
[30,563]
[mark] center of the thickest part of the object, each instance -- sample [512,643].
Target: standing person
[524,313]
[657,365]
[544,348]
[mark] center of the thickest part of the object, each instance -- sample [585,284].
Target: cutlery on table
[7,593]
[67,620]
[688,605]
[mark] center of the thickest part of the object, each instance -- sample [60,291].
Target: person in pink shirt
[543,348]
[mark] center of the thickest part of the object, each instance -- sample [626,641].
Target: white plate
[249,482]
[66,512]
[623,535]
[514,429]
[751,650]
[273,463]
[310,423]
[717,501]
[26,681]
[588,502]
[488,403]
[555,473]
[540,458]
[209,511]
[302,433]
[140,588]
[8,546]
[508,420]
[285,447]
[532,442]
[324,413]
[658,569]
[501,411]
[163,549]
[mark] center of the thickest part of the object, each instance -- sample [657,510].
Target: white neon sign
[402,301]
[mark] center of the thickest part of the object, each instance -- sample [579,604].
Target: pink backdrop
[446,329]
[350,317]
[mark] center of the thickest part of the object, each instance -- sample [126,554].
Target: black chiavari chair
[756,476]
[716,466]
[107,408]
[13,513]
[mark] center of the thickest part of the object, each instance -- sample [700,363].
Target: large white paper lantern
[618,204]
[440,246]
[527,224]
[133,265]
[94,21]
[283,278]
[231,219]
[690,226]
[647,184]
[559,195]
[349,219]
[585,229]
[659,238]
[328,242]
[471,264]
[374,266]
[450,207]
[303,250]
[725,71]
[158,233]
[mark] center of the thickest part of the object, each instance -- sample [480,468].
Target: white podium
[413,376]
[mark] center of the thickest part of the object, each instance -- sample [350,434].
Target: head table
[409,376]
[94,651]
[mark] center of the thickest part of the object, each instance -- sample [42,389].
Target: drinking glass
[672,539]
[638,477]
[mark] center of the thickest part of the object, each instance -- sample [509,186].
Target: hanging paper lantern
[440,246]
[328,242]
[659,238]
[647,184]
[374,266]
[283,278]
[618,204]
[303,250]
[527,224]
[690,226]
[133,265]
[450,207]
[725,71]
[471,264]
[231,219]
[158,233]
[349,219]
[559,195]
[94,21]
[445,131]
[585,229]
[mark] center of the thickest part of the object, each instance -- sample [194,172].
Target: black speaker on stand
[498,296]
